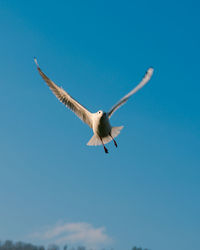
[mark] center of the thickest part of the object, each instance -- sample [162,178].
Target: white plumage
[99,121]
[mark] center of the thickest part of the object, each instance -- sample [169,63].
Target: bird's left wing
[84,114]
[145,79]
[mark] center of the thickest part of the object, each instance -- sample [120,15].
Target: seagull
[99,122]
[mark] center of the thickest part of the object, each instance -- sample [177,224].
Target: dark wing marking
[84,114]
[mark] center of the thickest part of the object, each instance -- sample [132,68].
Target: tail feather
[95,140]
[115,131]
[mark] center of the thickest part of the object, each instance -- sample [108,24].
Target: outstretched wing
[145,79]
[84,114]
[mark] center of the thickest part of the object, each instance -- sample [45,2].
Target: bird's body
[99,122]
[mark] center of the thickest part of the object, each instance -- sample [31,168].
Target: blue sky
[52,186]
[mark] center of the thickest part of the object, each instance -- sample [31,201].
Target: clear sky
[54,188]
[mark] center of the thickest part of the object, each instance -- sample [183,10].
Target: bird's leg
[105,149]
[113,140]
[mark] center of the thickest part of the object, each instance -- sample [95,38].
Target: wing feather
[145,79]
[84,114]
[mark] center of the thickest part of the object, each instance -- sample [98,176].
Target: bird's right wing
[84,114]
[145,79]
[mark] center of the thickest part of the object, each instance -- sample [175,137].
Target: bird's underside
[97,140]
[99,121]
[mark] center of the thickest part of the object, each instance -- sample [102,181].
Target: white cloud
[75,233]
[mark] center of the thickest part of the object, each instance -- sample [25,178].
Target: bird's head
[100,113]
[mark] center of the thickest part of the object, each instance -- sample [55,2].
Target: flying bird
[99,122]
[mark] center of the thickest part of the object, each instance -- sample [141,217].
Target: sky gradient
[145,192]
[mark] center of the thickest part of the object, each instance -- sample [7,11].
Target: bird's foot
[113,140]
[105,149]
[115,143]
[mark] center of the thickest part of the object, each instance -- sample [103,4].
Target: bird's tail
[115,131]
[95,140]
